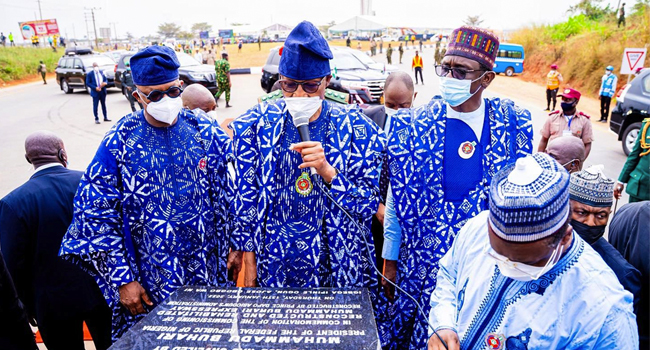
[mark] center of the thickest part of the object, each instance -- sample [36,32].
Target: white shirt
[98,77]
[46,166]
[473,119]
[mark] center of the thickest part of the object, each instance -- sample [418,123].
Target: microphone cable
[364,231]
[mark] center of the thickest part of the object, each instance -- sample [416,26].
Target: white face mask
[96,69]
[212,114]
[166,110]
[607,72]
[523,272]
[302,108]
[390,111]
[456,91]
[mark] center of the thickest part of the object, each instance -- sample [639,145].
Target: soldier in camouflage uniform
[222,67]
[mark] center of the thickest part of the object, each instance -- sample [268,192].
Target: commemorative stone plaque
[208,318]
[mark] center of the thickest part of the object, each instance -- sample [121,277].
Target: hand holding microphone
[313,156]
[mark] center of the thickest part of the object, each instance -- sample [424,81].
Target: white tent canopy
[358,24]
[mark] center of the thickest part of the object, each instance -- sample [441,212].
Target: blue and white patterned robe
[428,222]
[577,304]
[353,146]
[152,207]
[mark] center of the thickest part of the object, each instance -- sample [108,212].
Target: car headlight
[197,75]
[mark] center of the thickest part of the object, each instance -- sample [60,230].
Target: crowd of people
[489,244]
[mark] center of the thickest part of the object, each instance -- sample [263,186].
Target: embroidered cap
[474,43]
[306,54]
[155,65]
[592,187]
[529,200]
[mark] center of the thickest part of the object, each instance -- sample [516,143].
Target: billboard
[225,33]
[40,28]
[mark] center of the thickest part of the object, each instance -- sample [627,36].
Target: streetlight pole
[92,12]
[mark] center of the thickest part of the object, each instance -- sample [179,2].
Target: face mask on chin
[523,272]
[166,110]
[456,91]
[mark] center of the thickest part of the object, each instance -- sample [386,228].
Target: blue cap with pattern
[155,65]
[529,200]
[306,54]
[592,187]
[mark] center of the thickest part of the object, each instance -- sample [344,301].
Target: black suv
[632,106]
[364,84]
[72,69]
[190,72]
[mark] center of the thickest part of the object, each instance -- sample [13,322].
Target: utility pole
[114,30]
[92,13]
[39,9]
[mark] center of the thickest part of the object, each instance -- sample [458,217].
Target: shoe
[228,106]
[96,121]
[107,120]
[548,110]
[603,120]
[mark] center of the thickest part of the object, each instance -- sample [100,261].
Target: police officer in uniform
[636,171]
[127,80]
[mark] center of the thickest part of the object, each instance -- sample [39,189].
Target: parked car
[72,69]
[372,64]
[510,59]
[632,106]
[190,72]
[115,54]
[349,75]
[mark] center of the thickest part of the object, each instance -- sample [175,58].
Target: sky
[142,17]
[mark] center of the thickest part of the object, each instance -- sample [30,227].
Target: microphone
[302,124]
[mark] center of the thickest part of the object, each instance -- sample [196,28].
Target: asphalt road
[35,106]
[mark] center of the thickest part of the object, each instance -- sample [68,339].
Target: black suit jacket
[33,219]
[15,333]
[377,114]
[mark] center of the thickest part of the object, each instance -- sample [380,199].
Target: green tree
[201,27]
[591,9]
[169,30]
[326,27]
[185,35]
[474,21]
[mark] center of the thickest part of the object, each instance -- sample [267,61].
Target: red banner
[46,27]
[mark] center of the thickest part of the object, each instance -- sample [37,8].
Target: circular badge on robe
[203,164]
[466,149]
[495,341]
[303,184]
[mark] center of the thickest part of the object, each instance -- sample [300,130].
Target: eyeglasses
[157,95]
[309,87]
[457,73]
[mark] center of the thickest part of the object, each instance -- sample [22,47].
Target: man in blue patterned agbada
[293,234]
[441,158]
[518,277]
[150,214]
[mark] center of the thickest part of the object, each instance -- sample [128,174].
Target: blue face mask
[456,91]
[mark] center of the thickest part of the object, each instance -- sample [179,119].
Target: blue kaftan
[152,207]
[326,246]
[577,304]
[435,192]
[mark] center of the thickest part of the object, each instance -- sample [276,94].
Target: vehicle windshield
[345,60]
[101,60]
[186,60]
[365,59]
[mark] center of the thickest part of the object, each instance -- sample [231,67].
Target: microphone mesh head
[300,120]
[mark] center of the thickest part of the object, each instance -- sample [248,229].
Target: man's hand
[234,264]
[132,295]
[250,276]
[98,89]
[313,156]
[104,84]
[229,84]
[599,97]
[390,271]
[618,190]
[381,211]
[450,337]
